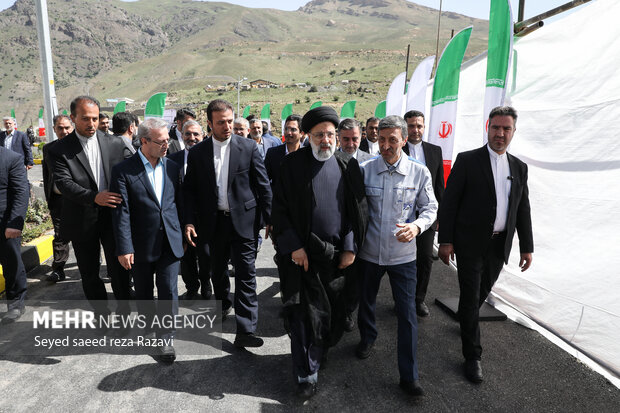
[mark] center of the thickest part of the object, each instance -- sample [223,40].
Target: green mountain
[188,48]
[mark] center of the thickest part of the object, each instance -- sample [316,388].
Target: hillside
[112,49]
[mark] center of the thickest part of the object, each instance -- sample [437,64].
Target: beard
[325,154]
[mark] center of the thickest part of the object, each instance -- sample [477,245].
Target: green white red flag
[445,96]
[498,58]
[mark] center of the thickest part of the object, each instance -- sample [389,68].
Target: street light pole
[241,79]
[45,51]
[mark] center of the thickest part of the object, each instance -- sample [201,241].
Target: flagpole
[407,69]
[437,46]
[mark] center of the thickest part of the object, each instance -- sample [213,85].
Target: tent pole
[437,46]
[521,25]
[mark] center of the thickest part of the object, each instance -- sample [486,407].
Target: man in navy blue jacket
[226,187]
[13,206]
[146,224]
[16,141]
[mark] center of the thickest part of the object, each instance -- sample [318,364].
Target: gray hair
[8,118]
[242,121]
[394,121]
[191,123]
[149,124]
[256,120]
[349,124]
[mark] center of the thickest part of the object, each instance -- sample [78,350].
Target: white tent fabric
[566,89]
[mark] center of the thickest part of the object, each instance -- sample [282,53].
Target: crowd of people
[342,210]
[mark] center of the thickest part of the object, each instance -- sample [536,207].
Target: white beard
[322,156]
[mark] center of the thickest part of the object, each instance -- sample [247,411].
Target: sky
[473,8]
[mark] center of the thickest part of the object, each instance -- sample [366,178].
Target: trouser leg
[403,282]
[370,280]
[306,355]
[424,262]
[13,270]
[469,274]
[246,299]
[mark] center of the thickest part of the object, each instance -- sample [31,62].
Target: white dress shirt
[8,141]
[221,160]
[93,153]
[417,152]
[186,150]
[502,179]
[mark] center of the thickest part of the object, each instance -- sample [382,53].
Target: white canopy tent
[566,88]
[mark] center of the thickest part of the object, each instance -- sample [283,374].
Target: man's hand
[446,252]
[526,261]
[346,259]
[108,199]
[407,232]
[268,232]
[300,258]
[29,167]
[126,261]
[190,232]
[12,233]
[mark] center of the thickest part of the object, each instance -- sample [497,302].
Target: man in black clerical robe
[319,219]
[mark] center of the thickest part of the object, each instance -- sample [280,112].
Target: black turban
[317,115]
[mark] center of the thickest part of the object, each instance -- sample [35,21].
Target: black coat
[14,192]
[467,211]
[76,182]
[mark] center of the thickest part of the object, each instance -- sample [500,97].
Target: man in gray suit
[350,135]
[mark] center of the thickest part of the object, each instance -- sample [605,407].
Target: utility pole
[50,108]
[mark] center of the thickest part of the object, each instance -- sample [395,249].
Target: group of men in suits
[214,194]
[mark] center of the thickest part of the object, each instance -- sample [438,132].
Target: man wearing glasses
[195,264]
[147,228]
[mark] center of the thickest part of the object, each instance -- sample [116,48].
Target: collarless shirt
[155,175]
[221,160]
[501,178]
[180,138]
[8,140]
[93,154]
[373,148]
[417,152]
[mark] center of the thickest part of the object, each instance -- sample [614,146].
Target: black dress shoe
[412,388]
[167,354]
[12,315]
[56,275]
[422,309]
[189,296]
[248,340]
[206,292]
[349,323]
[306,390]
[364,350]
[473,371]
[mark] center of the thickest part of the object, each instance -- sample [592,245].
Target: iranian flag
[498,59]
[348,110]
[155,106]
[395,100]
[265,114]
[41,124]
[286,112]
[445,96]
[416,91]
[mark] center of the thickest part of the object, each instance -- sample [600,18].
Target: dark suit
[467,215]
[273,160]
[14,193]
[174,145]
[424,241]
[150,230]
[195,264]
[248,190]
[364,145]
[54,203]
[20,144]
[83,222]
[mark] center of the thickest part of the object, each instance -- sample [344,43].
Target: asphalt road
[523,371]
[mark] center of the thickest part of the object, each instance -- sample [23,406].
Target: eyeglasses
[160,144]
[320,135]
